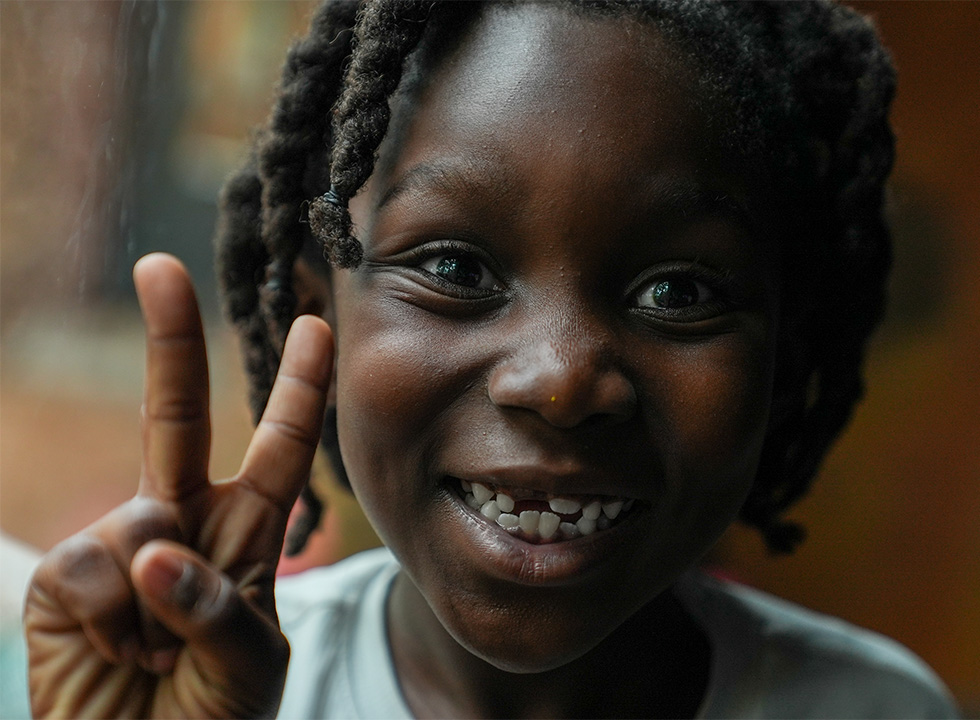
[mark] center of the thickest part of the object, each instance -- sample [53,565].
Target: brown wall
[895,517]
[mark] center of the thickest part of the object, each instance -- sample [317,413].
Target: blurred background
[118,122]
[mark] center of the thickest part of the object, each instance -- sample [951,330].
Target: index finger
[277,462]
[176,416]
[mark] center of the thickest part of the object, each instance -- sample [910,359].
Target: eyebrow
[688,199]
[446,175]
[683,199]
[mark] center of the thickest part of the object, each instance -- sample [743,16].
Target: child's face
[563,296]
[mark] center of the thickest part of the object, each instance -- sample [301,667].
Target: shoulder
[334,619]
[333,587]
[776,659]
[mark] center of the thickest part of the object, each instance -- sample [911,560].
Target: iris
[675,293]
[460,270]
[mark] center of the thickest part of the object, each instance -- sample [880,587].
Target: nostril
[616,396]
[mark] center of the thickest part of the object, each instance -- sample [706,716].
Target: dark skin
[568,178]
[164,607]
[564,295]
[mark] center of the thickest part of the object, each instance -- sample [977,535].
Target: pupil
[675,293]
[459,270]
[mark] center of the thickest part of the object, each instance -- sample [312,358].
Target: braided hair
[808,96]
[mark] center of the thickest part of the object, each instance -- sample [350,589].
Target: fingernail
[163,574]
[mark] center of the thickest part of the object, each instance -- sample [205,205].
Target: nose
[565,374]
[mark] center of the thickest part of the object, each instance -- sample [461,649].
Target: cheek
[376,399]
[727,390]
[383,379]
[716,410]
[396,384]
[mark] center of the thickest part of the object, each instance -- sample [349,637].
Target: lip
[507,557]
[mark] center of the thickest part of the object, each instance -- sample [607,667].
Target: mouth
[541,518]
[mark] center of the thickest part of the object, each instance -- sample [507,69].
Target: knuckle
[305,383]
[291,431]
[80,576]
[176,408]
[178,339]
[81,556]
[147,519]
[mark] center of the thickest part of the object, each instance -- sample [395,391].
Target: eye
[673,293]
[462,270]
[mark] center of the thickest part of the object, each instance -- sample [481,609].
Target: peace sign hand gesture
[165,607]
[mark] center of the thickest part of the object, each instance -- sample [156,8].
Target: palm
[106,638]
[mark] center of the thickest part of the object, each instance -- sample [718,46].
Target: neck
[654,665]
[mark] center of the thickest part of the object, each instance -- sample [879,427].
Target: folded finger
[230,641]
[87,576]
[83,581]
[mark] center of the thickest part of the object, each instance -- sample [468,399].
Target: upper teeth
[498,507]
[565,506]
[481,493]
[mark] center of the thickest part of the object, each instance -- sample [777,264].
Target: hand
[165,607]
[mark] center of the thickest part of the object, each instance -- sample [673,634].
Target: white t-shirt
[770,658]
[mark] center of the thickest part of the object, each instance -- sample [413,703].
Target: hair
[805,88]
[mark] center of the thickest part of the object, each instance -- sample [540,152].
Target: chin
[535,634]
[528,658]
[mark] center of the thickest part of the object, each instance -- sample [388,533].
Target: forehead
[542,95]
[532,58]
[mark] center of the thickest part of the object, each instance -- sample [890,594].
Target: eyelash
[416,258]
[718,283]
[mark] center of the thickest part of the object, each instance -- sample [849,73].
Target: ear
[314,296]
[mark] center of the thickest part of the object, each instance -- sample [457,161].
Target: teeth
[498,507]
[564,506]
[548,525]
[585,525]
[482,493]
[490,510]
[505,502]
[528,521]
[611,509]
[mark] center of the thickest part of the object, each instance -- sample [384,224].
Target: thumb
[232,645]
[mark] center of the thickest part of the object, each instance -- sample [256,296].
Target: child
[602,276]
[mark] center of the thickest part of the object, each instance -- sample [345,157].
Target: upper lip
[561,480]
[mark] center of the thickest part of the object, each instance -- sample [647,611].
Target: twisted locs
[384,35]
[843,84]
[259,236]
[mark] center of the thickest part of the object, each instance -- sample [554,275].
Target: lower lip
[508,557]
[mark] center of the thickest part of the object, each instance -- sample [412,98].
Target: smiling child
[601,276]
